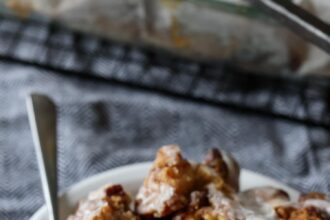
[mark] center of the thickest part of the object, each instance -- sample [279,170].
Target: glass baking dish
[211,30]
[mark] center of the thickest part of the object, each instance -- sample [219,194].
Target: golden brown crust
[108,203]
[205,213]
[166,189]
[311,206]
[172,179]
[213,206]
[305,213]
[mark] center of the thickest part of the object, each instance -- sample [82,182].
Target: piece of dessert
[254,204]
[173,182]
[225,166]
[311,206]
[108,203]
[177,189]
[167,187]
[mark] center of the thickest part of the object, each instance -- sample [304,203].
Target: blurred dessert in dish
[208,30]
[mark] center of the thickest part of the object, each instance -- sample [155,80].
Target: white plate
[131,177]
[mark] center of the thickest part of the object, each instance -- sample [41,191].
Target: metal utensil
[298,20]
[42,117]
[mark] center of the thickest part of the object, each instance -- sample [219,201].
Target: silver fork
[42,118]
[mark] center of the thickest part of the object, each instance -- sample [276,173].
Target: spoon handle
[42,118]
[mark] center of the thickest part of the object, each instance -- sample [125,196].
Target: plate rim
[145,165]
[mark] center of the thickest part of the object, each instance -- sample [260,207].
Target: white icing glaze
[321,204]
[154,197]
[241,207]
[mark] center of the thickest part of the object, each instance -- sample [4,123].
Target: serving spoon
[303,23]
[42,117]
